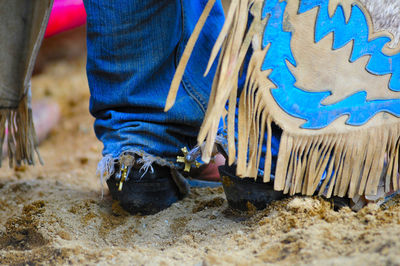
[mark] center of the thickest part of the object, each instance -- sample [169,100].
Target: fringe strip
[352,164]
[21,138]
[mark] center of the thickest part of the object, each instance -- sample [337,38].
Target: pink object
[65,15]
[209,172]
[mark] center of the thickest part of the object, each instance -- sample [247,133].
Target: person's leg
[133,50]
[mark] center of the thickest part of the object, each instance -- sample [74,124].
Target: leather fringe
[21,136]
[344,164]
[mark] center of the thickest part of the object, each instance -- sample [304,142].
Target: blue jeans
[133,50]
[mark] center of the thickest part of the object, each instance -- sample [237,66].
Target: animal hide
[385,16]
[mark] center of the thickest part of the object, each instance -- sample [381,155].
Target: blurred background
[61,61]
[65,34]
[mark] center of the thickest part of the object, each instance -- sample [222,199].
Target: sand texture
[54,214]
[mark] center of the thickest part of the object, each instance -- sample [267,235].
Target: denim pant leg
[133,50]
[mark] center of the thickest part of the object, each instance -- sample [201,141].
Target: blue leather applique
[307,105]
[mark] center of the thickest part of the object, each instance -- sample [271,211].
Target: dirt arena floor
[54,214]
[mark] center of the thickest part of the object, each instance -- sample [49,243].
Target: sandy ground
[54,214]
